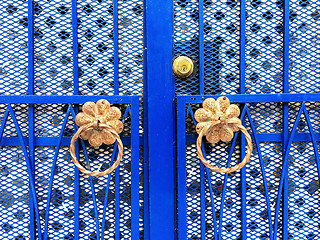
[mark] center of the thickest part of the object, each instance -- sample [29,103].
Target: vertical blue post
[182,168]
[135,208]
[75,92]
[285,115]
[160,97]
[243,141]
[117,203]
[30,108]
[116,47]
[201,48]
[146,222]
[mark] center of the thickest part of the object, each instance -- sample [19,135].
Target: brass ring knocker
[218,120]
[99,123]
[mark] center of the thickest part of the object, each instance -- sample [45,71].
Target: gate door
[54,57]
[263,56]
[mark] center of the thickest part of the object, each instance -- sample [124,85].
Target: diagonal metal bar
[284,172]
[31,177]
[256,140]
[54,162]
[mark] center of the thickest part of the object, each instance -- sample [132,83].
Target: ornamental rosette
[218,110]
[99,113]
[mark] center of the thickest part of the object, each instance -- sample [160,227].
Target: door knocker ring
[218,120]
[98,123]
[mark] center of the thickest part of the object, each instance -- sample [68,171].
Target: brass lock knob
[182,66]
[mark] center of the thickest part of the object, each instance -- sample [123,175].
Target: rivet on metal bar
[99,123]
[218,120]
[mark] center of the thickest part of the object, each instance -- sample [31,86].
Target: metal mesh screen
[219,35]
[38,57]
[221,206]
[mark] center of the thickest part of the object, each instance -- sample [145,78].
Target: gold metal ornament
[218,120]
[98,123]
[183,66]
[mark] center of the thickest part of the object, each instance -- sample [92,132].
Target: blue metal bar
[160,97]
[64,99]
[214,217]
[115,47]
[190,138]
[30,49]
[76,185]
[255,98]
[203,222]
[135,169]
[105,203]
[53,169]
[314,141]
[256,139]
[268,137]
[201,48]
[181,163]
[202,202]
[30,108]
[224,187]
[284,172]
[285,114]
[240,98]
[202,186]
[94,200]
[49,141]
[242,87]
[117,203]
[243,186]
[226,179]
[31,178]
[146,222]
[75,48]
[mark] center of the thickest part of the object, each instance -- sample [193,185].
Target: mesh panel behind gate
[66,48]
[250,47]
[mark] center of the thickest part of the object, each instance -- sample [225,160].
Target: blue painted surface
[160,95]
[261,54]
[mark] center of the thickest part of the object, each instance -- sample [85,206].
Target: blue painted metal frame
[183,139]
[160,111]
[134,140]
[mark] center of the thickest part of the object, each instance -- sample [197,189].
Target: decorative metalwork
[218,120]
[99,123]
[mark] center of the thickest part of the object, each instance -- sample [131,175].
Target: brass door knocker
[98,123]
[218,120]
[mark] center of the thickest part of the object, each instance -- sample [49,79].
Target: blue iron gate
[57,55]
[262,55]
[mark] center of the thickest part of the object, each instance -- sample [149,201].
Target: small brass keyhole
[182,66]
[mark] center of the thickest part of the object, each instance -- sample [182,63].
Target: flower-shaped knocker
[218,120]
[99,123]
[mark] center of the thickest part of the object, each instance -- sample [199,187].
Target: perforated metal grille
[21,115]
[131,47]
[110,47]
[53,47]
[186,41]
[14,194]
[61,219]
[221,47]
[267,117]
[304,46]
[13,47]
[264,206]
[264,34]
[96,47]
[303,192]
